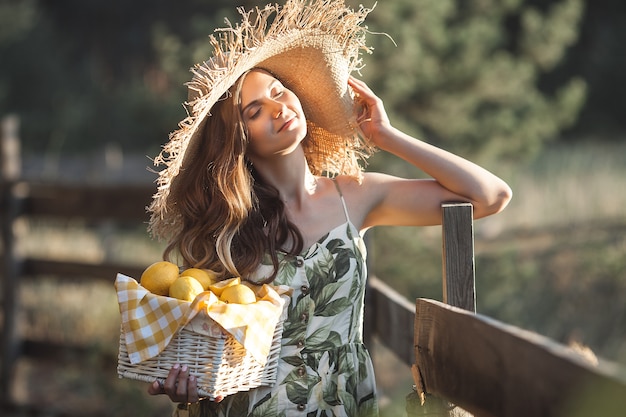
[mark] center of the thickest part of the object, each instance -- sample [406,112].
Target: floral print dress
[324,369]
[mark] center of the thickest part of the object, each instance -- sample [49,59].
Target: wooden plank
[10,152]
[459,287]
[10,272]
[56,352]
[392,317]
[126,203]
[10,170]
[493,369]
[78,270]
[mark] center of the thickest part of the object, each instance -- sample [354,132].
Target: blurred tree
[465,73]
[598,57]
[85,73]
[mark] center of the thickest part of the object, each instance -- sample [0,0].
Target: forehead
[255,83]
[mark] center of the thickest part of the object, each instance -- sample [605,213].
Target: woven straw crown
[312,46]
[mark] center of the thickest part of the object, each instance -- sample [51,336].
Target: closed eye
[277,92]
[254,113]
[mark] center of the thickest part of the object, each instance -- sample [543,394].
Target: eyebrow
[256,101]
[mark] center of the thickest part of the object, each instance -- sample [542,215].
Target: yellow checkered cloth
[150,321]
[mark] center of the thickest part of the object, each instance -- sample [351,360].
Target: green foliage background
[466,74]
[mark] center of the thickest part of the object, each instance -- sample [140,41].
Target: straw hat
[312,46]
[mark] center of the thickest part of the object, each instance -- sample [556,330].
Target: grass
[554,261]
[564,186]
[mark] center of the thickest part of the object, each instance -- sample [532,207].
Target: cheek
[294,103]
[256,132]
[255,138]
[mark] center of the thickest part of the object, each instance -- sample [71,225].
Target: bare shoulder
[369,184]
[363,196]
[351,188]
[382,199]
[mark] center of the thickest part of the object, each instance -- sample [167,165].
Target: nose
[279,109]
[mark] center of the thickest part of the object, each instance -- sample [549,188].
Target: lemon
[219,286]
[206,277]
[254,287]
[158,277]
[185,288]
[238,294]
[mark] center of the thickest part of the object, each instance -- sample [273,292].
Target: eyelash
[255,114]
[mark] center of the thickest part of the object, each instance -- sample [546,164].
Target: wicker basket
[221,365]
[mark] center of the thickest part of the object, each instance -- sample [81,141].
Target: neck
[295,194]
[290,175]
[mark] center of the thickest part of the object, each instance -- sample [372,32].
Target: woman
[250,195]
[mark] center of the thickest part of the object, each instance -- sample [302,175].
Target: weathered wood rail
[493,369]
[486,367]
[123,204]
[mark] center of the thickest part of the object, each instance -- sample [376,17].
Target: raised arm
[394,201]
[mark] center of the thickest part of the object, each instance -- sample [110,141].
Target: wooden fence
[457,357]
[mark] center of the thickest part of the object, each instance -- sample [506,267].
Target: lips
[286,124]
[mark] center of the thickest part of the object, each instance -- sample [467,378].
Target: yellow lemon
[158,277]
[219,286]
[238,294]
[206,277]
[186,288]
[254,287]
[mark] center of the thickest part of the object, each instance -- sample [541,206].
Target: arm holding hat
[393,201]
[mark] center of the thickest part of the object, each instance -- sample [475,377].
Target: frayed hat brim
[312,46]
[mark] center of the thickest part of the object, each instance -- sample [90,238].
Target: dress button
[301,407]
[304,289]
[304,317]
[299,262]
[300,343]
[301,371]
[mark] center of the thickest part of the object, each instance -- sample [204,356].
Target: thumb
[155,388]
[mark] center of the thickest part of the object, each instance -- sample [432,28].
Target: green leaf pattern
[324,369]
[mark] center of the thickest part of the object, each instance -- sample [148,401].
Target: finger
[353,80]
[357,84]
[156,388]
[218,399]
[192,390]
[169,385]
[363,112]
[181,386]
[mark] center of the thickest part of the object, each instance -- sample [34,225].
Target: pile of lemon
[165,278]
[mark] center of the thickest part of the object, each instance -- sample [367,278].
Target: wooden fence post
[459,290]
[9,134]
[10,171]
[459,282]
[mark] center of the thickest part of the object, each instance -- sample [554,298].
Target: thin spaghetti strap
[343,202]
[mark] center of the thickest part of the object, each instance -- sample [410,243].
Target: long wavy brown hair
[231,218]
